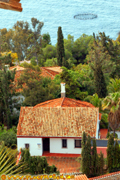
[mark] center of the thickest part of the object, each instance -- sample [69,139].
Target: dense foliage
[37,89]
[9,138]
[36,164]
[113,155]
[92,163]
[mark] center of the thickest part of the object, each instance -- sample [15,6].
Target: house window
[27,146]
[64,143]
[78,143]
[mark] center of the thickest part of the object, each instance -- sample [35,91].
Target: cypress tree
[116,161]
[110,152]
[88,160]
[60,48]
[83,153]
[94,161]
[100,84]
[84,138]
[86,155]
[101,164]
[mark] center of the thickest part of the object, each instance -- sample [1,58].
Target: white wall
[35,149]
[56,146]
[97,129]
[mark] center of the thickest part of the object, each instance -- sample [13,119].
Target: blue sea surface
[56,13]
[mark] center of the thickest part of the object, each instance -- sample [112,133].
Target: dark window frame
[64,143]
[78,146]
[27,146]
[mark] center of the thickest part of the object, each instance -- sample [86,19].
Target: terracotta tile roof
[64,102]
[57,121]
[103,133]
[110,176]
[45,72]
[81,177]
[18,68]
[19,71]
[50,71]
[11,5]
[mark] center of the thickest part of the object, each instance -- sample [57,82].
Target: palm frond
[8,161]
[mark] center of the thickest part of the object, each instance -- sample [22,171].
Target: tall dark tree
[94,163]
[113,50]
[100,84]
[110,152]
[86,155]
[97,67]
[6,90]
[60,47]
[84,138]
[83,153]
[101,163]
[89,159]
[116,156]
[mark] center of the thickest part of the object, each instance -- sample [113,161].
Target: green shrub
[37,164]
[108,135]
[104,121]
[9,138]
[51,62]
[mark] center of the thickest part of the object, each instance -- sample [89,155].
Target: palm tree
[114,85]
[95,101]
[8,161]
[112,103]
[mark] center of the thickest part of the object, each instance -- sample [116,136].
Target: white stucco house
[56,126]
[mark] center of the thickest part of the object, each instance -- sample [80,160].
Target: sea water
[55,13]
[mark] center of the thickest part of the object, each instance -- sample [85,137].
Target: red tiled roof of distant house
[19,71]
[50,71]
[110,176]
[45,72]
[81,177]
[103,133]
[57,121]
[18,68]
[11,5]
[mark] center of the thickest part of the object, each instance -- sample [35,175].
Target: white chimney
[63,90]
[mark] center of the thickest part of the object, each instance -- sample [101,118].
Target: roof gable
[64,102]
[50,71]
[57,121]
